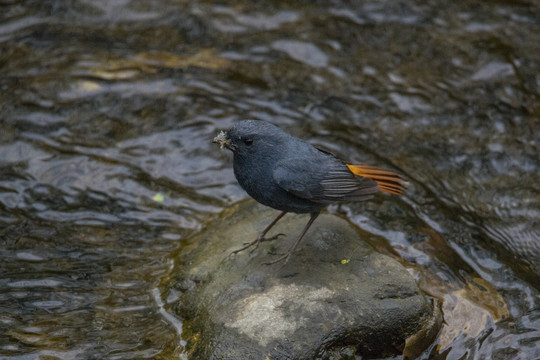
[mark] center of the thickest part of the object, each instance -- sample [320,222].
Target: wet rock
[335,298]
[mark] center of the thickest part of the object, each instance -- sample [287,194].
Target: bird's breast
[258,181]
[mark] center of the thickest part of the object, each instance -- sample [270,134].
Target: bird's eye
[248,141]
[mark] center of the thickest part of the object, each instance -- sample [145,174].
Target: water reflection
[106,104]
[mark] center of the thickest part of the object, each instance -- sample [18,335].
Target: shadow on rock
[335,298]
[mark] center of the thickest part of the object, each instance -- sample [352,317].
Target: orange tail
[388,181]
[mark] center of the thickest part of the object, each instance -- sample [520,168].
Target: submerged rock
[336,297]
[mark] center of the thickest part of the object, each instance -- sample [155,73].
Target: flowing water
[108,109]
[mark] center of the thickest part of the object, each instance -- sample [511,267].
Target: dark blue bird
[291,175]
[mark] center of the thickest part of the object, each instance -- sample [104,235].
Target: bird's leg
[261,237]
[288,254]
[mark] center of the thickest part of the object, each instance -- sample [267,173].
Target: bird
[289,174]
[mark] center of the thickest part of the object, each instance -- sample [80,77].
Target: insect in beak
[223,141]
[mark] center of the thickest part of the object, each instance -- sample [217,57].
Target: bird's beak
[224,141]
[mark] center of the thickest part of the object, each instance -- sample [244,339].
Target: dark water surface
[108,108]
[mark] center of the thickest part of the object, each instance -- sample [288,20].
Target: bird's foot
[256,243]
[261,239]
[284,257]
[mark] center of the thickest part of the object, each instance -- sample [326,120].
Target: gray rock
[314,307]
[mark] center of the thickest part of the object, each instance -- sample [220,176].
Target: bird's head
[250,136]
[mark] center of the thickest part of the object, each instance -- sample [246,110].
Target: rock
[314,307]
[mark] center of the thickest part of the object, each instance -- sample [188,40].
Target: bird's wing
[388,181]
[324,182]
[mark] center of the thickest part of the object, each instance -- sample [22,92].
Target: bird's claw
[262,239]
[256,243]
[284,257]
